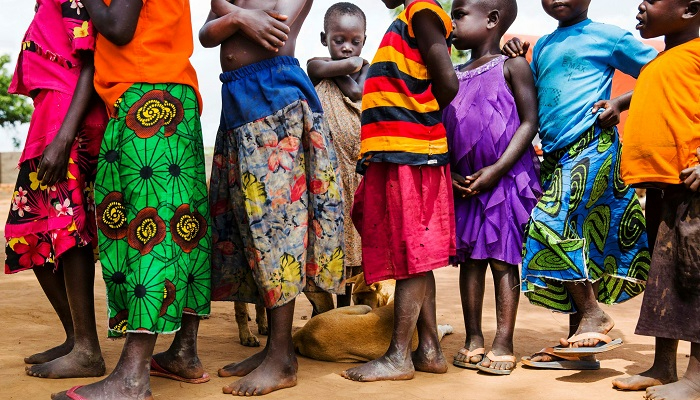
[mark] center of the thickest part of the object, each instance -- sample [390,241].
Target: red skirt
[405,216]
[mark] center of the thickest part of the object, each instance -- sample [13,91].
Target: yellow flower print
[291,274]
[330,176]
[331,267]
[255,195]
[81,31]
[35,183]
[13,242]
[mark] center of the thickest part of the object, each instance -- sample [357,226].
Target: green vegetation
[14,110]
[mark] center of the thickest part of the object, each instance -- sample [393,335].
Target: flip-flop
[562,362]
[494,358]
[75,396]
[605,344]
[468,355]
[157,370]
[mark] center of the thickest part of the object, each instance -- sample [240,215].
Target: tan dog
[244,334]
[357,333]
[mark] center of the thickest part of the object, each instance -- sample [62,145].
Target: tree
[458,56]
[14,110]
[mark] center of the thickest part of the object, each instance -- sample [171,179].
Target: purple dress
[480,124]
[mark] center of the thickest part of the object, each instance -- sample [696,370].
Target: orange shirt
[159,52]
[663,127]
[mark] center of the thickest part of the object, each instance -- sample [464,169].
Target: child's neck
[681,37]
[575,20]
[487,49]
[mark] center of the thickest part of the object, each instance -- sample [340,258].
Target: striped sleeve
[421,5]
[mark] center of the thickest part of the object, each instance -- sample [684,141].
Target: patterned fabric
[152,211]
[343,116]
[275,189]
[401,120]
[45,222]
[588,225]
[480,123]
[672,297]
[50,57]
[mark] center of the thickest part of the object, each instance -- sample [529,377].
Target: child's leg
[428,356]
[396,363]
[85,359]
[277,364]
[54,287]
[130,379]
[472,275]
[182,358]
[688,388]
[593,318]
[662,372]
[507,284]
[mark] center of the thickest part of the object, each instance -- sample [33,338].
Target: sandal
[468,354]
[494,358]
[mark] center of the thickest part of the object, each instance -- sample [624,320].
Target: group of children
[447,174]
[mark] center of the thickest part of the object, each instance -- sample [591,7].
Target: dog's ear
[375,287]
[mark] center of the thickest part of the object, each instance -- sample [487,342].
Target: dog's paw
[250,341]
[262,329]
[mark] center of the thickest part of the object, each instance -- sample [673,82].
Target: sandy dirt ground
[28,325]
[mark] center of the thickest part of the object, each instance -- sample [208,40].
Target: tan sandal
[494,358]
[468,354]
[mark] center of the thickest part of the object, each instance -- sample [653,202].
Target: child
[151,195]
[490,127]
[403,207]
[663,132]
[51,226]
[275,190]
[585,241]
[339,81]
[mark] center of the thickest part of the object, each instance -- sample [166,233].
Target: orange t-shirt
[159,52]
[663,127]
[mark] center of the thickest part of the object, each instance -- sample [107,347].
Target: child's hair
[508,11]
[343,8]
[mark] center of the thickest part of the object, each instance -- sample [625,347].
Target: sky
[531,20]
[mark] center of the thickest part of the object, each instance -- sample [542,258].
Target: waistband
[252,69]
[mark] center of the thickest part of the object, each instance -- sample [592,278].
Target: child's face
[565,10]
[391,4]
[660,17]
[469,22]
[345,37]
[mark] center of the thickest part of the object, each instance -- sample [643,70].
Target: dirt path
[27,325]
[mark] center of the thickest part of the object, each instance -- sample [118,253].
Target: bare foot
[185,365]
[599,322]
[684,389]
[50,354]
[473,342]
[271,375]
[430,360]
[639,382]
[73,365]
[244,367]
[381,369]
[499,365]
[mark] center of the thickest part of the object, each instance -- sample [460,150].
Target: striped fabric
[401,120]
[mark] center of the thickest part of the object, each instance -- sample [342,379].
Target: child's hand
[691,176]
[460,185]
[611,116]
[514,47]
[483,179]
[53,166]
[264,28]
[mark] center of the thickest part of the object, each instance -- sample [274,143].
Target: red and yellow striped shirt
[401,119]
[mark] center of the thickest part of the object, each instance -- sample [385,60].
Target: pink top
[49,58]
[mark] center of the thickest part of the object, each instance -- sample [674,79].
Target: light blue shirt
[573,68]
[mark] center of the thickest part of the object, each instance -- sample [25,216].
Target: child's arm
[263,27]
[611,116]
[116,22]
[519,75]
[353,88]
[691,176]
[429,33]
[53,165]
[322,67]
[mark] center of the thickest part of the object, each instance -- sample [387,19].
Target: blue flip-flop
[606,343]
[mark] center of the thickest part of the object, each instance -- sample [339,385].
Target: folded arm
[116,22]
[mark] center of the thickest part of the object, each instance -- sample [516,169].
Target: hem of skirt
[122,333]
[665,335]
[55,264]
[412,274]
[460,260]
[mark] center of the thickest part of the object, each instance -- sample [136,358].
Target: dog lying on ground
[357,333]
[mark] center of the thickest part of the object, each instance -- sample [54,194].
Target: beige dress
[343,116]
